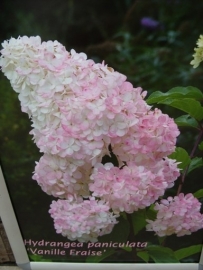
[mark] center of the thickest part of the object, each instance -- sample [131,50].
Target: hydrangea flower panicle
[62,177]
[83,221]
[198,55]
[79,109]
[132,187]
[179,215]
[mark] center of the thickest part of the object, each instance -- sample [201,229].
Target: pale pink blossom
[153,136]
[61,177]
[179,215]
[132,187]
[82,220]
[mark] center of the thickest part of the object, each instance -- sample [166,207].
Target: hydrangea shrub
[82,111]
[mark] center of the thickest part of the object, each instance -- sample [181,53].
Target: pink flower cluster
[82,220]
[179,215]
[133,187]
[78,109]
[153,136]
[62,177]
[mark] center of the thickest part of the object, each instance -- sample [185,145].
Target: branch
[191,156]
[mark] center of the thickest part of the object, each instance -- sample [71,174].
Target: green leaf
[185,99]
[161,239]
[195,163]
[157,97]
[176,93]
[120,232]
[181,155]
[38,258]
[198,194]
[151,213]
[144,255]
[139,220]
[96,259]
[201,146]
[185,252]
[189,91]
[188,105]
[123,215]
[128,249]
[161,254]
[186,121]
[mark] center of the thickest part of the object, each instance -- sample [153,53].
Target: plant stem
[191,156]
[131,237]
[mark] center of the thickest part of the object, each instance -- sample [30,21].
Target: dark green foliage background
[107,30]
